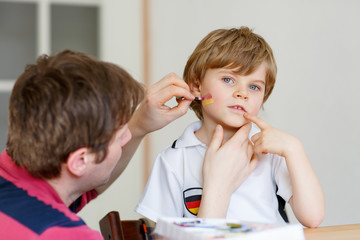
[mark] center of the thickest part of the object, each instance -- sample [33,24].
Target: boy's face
[233,95]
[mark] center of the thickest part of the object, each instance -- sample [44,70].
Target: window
[30,28]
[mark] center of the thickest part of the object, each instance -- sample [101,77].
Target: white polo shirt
[174,187]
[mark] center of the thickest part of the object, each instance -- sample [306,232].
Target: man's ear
[195,88]
[77,161]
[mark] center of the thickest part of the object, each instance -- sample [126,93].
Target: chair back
[113,228]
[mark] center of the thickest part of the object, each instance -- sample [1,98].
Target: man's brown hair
[238,49]
[65,102]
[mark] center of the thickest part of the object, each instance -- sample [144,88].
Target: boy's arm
[307,201]
[152,115]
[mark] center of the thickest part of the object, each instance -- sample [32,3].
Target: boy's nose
[240,93]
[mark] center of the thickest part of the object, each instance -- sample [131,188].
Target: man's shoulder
[13,229]
[32,213]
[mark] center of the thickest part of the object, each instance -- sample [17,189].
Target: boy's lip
[238,107]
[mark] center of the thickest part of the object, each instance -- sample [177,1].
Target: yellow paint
[207,101]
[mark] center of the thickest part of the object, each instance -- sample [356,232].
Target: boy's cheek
[256,110]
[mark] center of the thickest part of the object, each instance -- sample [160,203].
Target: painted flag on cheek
[192,199]
[207,100]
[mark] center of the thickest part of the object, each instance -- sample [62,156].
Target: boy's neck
[206,131]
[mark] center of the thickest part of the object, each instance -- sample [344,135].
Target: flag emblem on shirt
[192,199]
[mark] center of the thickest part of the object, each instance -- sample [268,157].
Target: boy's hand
[231,163]
[272,140]
[307,201]
[224,170]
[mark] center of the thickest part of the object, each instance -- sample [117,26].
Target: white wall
[315,97]
[121,44]
[316,44]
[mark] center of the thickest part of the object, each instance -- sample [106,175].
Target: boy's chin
[235,125]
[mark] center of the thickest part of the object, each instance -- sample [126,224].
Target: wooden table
[340,232]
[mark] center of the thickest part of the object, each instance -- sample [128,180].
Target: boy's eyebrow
[260,81]
[227,71]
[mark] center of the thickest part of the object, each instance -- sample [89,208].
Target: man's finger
[172,81]
[179,110]
[258,121]
[169,86]
[172,90]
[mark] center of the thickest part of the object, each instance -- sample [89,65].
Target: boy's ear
[78,161]
[195,88]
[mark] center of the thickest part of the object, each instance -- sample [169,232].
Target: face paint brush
[205,100]
[196,98]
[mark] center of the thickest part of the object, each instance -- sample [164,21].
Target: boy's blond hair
[237,49]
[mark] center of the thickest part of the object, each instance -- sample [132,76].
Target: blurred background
[316,45]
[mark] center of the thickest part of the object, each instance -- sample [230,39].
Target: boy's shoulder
[188,138]
[186,144]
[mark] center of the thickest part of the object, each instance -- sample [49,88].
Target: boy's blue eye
[228,80]
[253,87]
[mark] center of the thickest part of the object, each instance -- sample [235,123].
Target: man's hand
[153,113]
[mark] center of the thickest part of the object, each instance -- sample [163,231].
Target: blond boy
[233,71]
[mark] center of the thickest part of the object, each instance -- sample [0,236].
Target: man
[73,129]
